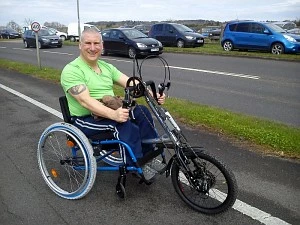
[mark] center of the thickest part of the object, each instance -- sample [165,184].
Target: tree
[55,25]
[14,25]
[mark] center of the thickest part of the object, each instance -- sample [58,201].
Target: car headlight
[159,43]
[289,38]
[141,45]
[190,37]
[45,39]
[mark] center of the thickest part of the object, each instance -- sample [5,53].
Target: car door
[242,36]
[158,32]
[259,36]
[170,34]
[118,42]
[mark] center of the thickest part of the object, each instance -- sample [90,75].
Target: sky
[65,11]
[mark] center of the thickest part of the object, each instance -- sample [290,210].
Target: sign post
[35,26]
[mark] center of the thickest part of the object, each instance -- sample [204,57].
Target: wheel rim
[180,44]
[277,49]
[65,173]
[25,44]
[227,46]
[131,53]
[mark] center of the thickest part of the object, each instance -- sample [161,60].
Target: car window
[158,27]
[114,34]
[169,28]
[133,33]
[243,27]
[257,28]
[183,28]
[105,33]
[43,32]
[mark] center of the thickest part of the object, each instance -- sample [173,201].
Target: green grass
[270,137]
[215,48]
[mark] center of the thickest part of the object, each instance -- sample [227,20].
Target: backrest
[65,109]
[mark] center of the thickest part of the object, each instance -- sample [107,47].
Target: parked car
[60,34]
[129,41]
[251,35]
[214,34]
[9,33]
[286,25]
[45,39]
[294,31]
[143,28]
[173,34]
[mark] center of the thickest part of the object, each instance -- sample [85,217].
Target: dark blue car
[251,35]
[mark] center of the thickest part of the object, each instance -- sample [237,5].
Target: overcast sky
[65,11]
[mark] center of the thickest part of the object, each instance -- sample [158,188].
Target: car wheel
[26,44]
[228,46]
[277,49]
[73,39]
[180,43]
[63,38]
[131,52]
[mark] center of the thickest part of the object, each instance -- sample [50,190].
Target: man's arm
[82,95]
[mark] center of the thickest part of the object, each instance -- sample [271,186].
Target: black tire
[277,49]
[180,43]
[131,52]
[227,45]
[72,39]
[216,185]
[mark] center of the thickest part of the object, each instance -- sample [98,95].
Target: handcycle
[69,161]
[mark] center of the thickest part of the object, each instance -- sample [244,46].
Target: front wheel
[277,49]
[210,188]
[180,43]
[131,52]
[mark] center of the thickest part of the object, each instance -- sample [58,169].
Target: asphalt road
[264,88]
[269,187]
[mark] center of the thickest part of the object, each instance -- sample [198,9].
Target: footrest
[149,156]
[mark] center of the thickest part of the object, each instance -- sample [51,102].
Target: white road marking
[218,72]
[240,206]
[23,49]
[241,75]
[60,53]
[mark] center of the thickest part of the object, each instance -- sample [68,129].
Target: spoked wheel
[66,161]
[210,189]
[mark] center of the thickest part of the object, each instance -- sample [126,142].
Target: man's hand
[121,115]
[161,99]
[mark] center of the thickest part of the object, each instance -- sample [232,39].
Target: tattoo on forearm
[76,90]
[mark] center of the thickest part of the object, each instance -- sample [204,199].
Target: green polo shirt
[78,72]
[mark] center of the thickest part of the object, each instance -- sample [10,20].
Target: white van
[73,30]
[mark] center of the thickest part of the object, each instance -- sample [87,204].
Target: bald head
[89,31]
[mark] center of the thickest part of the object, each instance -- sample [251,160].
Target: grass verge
[271,137]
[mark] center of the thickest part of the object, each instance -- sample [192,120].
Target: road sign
[35,26]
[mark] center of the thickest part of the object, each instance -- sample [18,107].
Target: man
[87,79]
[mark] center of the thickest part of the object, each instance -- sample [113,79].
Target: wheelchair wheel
[211,189]
[66,161]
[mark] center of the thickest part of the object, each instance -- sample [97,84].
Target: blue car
[251,35]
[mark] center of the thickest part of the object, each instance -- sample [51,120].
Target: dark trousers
[140,126]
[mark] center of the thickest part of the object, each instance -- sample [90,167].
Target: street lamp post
[79,31]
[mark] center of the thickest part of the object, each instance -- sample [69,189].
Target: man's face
[91,47]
